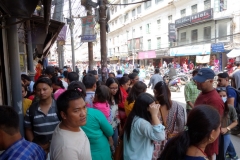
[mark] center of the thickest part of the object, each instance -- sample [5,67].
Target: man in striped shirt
[11,140]
[41,118]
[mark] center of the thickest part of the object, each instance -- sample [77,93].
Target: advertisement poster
[88,34]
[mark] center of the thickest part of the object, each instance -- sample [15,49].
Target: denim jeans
[228,146]
[115,137]
[231,150]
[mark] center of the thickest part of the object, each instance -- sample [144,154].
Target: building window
[127,34]
[139,9]
[207,33]
[133,13]
[149,44]
[126,17]
[148,28]
[183,37]
[147,4]
[115,9]
[170,18]
[183,12]
[157,1]
[194,9]
[133,32]
[207,4]
[125,2]
[116,21]
[140,30]
[158,42]
[159,23]
[222,31]
[222,5]
[194,36]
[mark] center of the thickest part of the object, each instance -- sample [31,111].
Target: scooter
[173,83]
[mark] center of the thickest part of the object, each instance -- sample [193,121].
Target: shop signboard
[217,47]
[146,55]
[171,32]
[195,18]
[204,49]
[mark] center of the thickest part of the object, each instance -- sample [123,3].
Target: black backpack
[238,99]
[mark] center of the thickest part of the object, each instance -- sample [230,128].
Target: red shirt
[191,66]
[213,99]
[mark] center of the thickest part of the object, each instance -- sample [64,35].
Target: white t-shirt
[65,84]
[67,145]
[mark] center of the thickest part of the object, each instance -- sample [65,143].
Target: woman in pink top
[100,102]
[58,87]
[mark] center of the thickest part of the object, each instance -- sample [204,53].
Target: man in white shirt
[69,141]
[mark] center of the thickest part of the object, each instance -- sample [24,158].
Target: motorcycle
[173,84]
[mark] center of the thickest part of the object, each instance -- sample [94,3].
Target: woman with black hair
[142,128]
[115,98]
[203,128]
[136,90]
[171,114]
[229,121]
[124,83]
[57,86]
[133,78]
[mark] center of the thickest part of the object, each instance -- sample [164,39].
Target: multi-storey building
[173,30]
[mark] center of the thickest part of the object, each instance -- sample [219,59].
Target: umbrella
[234,53]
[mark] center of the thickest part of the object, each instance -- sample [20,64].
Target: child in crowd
[100,102]
[43,142]
[229,121]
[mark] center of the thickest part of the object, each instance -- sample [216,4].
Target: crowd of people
[66,117]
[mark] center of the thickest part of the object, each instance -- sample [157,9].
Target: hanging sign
[88,34]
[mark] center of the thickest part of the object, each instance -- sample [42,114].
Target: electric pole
[102,22]
[90,44]
[71,25]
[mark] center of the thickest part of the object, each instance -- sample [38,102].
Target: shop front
[146,57]
[194,53]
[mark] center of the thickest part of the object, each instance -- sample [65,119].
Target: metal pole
[6,63]
[14,65]
[90,44]
[58,15]
[102,22]
[72,40]
[30,51]
[132,49]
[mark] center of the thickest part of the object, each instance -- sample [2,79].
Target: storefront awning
[204,49]
[234,53]
[146,55]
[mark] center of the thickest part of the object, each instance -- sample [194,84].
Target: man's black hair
[41,140]
[9,120]
[156,70]
[195,71]
[64,99]
[72,76]
[43,80]
[237,63]
[119,72]
[223,75]
[25,77]
[94,72]
[112,73]
[65,74]
[89,80]
[50,70]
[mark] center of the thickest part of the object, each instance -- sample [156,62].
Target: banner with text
[88,34]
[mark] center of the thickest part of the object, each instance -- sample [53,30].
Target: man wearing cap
[208,96]
[223,81]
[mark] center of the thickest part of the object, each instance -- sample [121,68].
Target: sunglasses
[221,89]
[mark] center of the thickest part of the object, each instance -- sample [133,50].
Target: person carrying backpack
[233,97]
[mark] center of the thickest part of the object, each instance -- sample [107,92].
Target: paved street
[179,97]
